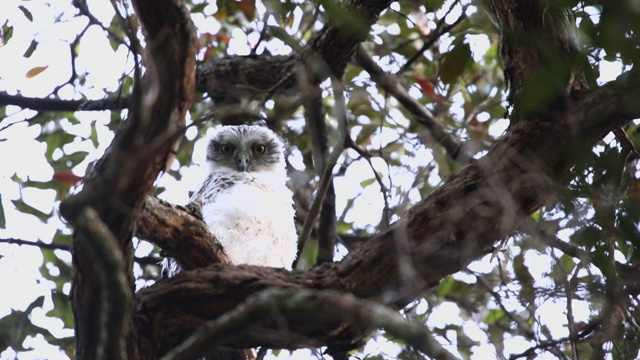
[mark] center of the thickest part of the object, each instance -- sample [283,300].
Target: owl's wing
[212,186]
[202,190]
[216,184]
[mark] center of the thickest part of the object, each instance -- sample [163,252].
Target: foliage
[539,292]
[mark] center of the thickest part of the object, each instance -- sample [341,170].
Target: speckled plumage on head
[244,198]
[253,146]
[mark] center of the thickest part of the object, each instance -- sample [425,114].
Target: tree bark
[116,188]
[456,224]
[228,78]
[541,53]
[180,234]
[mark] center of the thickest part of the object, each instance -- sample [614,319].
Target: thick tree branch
[542,72]
[115,291]
[118,184]
[229,78]
[455,225]
[184,237]
[284,308]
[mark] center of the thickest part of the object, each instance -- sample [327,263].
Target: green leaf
[367,182]
[15,327]
[198,8]
[30,49]
[366,132]
[433,5]
[309,255]
[494,315]
[3,219]
[39,184]
[94,136]
[61,308]
[62,238]
[454,63]
[280,9]
[54,140]
[23,207]
[445,287]
[340,15]
[282,34]
[6,32]
[396,147]
[26,12]
[71,160]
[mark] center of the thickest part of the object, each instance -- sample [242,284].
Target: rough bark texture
[541,55]
[455,225]
[120,181]
[165,223]
[229,78]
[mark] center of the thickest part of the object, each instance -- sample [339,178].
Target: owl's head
[246,148]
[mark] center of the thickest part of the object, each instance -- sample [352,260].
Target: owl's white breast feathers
[251,215]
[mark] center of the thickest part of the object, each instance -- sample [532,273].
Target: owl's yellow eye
[226,148]
[260,149]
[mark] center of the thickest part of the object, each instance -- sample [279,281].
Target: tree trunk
[119,183]
[458,223]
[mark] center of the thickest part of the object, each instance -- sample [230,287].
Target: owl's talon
[195,208]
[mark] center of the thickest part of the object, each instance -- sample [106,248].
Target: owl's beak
[242,162]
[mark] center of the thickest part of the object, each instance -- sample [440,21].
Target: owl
[244,199]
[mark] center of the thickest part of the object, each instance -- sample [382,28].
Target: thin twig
[367,157]
[52,246]
[263,32]
[142,260]
[626,142]
[523,326]
[391,85]
[587,331]
[570,284]
[81,5]
[440,30]
[46,104]
[327,174]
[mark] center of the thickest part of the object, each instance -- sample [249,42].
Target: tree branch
[455,225]
[539,73]
[285,308]
[40,104]
[321,205]
[391,85]
[148,260]
[116,294]
[184,237]
[41,245]
[119,182]
[227,79]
